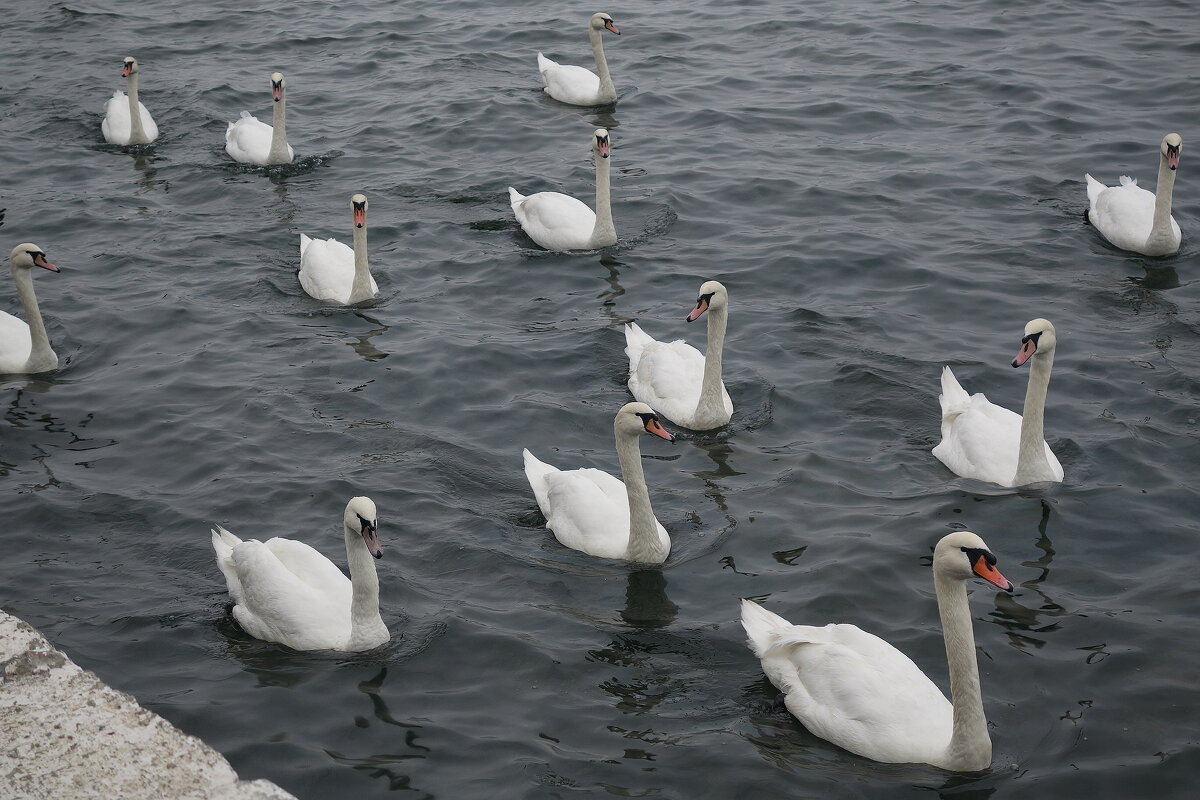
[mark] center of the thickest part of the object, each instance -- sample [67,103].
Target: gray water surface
[884,187]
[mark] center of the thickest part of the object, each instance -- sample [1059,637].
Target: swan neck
[41,356]
[137,133]
[644,545]
[712,399]
[1032,464]
[1163,192]
[364,581]
[608,92]
[604,233]
[361,288]
[970,746]
[279,147]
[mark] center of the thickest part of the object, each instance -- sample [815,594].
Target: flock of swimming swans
[845,685]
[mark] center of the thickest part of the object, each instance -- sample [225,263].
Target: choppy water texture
[884,187]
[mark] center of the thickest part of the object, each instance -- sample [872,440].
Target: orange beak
[125,70]
[1028,348]
[41,261]
[360,217]
[655,427]
[990,574]
[701,307]
[610,26]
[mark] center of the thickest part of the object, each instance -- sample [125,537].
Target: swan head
[637,418]
[1172,146]
[358,204]
[1038,338]
[29,255]
[362,518]
[276,86]
[600,142]
[962,555]
[602,20]
[712,295]
[129,66]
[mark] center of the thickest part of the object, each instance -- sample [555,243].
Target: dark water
[884,187]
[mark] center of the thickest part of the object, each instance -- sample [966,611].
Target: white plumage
[329,270]
[857,691]
[577,85]
[119,125]
[285,591]
[253,142]
[676,379]
[1134,219]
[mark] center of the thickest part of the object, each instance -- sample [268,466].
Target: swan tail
[515,198]
[762,626]
[954,397]
[545,63]
[536,472]
[304,243]
[223,543]
[1094,188]
[635,341]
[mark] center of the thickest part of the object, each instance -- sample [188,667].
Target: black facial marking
[975,553]
[1033,337]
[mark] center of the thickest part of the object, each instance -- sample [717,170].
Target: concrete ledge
[65,734]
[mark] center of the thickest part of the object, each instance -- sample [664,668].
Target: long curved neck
[137,134]
[644,545]
[364,600]
[608,92]
[1161,227]
[604,233]
[1032,464]
[712,399]
[279,148]
[361,288]
[41,356]
[970,746]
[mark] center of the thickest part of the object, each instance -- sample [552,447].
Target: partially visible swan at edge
[674,378]
[253,142]
[121,124]
[559,222]
[591,511]
[331,271]
[987,442]
[577,85]
[24,346]
[1131,217]
[857,691]
[285,591]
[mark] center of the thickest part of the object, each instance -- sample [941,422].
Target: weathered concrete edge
[65,733]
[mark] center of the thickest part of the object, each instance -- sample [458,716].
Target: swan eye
[975,553]
[1033,337]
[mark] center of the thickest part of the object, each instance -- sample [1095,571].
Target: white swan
[559,222]
[24,347]
[854,689]
[254,142]
[126,120]
[577,85]
[1131,217]
[591,511]
[331,271]
[285,591]
[987,442]
[673,378]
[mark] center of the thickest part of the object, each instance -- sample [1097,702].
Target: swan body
[577,85]
[252,142]
[126,120]
[285,591]
[24,346]
[593,512]
[329,270]
[559,222]
[674,378]
[987,442]
[857,691]
[1132,218]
